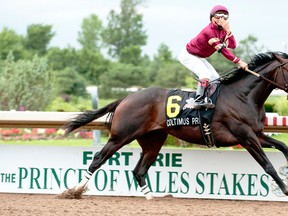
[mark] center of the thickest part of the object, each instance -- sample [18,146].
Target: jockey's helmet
[218,8]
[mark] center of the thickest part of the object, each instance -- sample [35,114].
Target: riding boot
[201,101]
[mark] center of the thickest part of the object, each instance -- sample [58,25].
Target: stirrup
[203,104]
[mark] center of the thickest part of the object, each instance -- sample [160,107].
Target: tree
[120,77]
[70,82]
[25,83]
[124,32]
[90,61]
[248,48]
[10,42]
[130,55]
[164,54]
[171,75]
[91,64]
[38,38]
[162,58]
[90,36]
[59,59]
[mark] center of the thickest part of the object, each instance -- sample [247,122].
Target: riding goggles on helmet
[218,16]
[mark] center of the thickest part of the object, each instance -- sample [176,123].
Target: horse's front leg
[259,155]
[252,144]
[269,142]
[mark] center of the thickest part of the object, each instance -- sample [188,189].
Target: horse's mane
[256,61]
[264,58]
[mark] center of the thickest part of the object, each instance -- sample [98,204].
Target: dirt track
[43,205]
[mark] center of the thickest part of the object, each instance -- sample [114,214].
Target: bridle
[284,88]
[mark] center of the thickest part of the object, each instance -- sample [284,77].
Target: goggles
[218,16]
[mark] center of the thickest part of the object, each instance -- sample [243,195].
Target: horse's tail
[90,115]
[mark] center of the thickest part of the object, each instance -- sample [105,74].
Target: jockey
[217,36]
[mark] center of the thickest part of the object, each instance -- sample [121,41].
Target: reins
[284,88]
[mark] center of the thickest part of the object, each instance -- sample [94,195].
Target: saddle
[180,113]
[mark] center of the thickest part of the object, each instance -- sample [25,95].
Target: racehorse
[239,118]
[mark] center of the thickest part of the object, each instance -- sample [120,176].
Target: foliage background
[36,76]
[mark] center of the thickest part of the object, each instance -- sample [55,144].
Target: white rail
[30,119]
[27,119]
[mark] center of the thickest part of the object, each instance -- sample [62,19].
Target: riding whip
[264,78]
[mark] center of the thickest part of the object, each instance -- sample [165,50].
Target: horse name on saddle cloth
[179,111]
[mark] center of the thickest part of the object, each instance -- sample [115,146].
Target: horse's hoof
[74,193]
[149,196]
[276,190]
[284,170]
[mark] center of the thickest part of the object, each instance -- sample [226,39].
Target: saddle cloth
[180,113]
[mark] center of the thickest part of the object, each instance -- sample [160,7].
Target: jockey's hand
[225,25]
[243,65]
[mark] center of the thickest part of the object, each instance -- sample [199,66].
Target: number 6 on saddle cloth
[180,111]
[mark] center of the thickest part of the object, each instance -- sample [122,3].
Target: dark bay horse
[239,118]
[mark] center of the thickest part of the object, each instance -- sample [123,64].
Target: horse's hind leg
[151,144]
[99,158]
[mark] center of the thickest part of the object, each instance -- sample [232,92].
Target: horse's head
[272,67]
[281,73]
